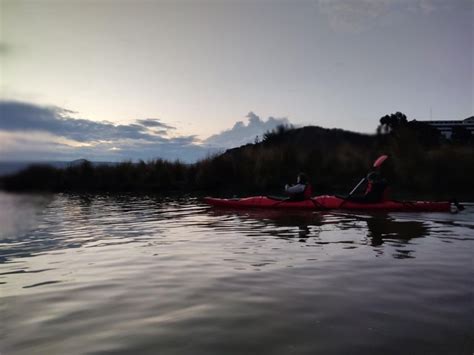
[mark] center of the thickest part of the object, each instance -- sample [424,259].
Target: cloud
[427,6]
[20,116]
[356,16]
[353,16]
[39,146]
[33,132]
[154,122]
[241,133]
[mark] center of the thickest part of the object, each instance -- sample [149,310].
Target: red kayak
[329,203]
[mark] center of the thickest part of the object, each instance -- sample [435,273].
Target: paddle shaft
[357,186]
[376,165]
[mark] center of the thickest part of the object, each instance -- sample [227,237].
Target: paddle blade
[380,160]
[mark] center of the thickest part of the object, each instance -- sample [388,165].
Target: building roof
[468,120]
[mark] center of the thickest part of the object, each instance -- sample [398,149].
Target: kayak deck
[327,202]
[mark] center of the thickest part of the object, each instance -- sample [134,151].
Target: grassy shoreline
[335,161]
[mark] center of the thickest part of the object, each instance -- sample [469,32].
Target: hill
[333,158]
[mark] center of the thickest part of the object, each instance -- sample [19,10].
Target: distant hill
[12,167]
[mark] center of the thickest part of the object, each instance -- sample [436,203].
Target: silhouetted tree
[276,133]
[389,123]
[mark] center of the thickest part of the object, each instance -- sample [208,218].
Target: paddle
[376,165]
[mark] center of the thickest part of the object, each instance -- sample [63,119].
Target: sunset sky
[112,80]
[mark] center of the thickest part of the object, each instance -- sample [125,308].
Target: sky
[178,79]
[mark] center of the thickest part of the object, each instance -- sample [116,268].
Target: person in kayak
[302,190]
[376,191]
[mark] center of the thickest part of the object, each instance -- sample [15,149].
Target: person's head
[302,178]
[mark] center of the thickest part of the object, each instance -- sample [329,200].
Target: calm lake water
[147,275]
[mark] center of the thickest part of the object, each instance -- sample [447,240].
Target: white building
[446,127]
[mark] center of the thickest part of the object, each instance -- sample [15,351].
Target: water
[147,275]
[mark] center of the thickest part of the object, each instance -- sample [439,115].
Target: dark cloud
[20,116]
[154,122]
[104,140]
[160,132]
[242,133]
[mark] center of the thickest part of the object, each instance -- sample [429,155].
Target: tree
[390,123]
[278,132]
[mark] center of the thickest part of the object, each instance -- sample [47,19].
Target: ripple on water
[140,274]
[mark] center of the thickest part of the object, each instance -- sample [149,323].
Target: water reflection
[383,228]
[281,224]
[379,228]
